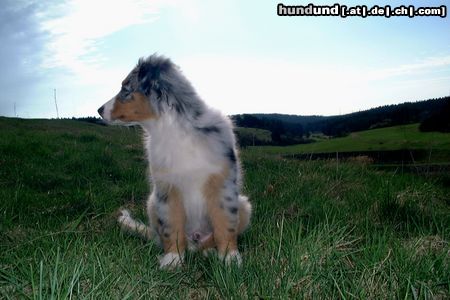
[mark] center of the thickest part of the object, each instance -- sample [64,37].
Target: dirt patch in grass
[432,244]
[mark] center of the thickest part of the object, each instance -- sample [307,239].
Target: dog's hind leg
[245,211]
[221,193]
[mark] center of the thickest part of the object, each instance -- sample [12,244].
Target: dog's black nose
[100,111]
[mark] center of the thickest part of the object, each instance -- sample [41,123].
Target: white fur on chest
[184,160]
[174,153]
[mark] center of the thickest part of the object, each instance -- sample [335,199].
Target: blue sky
[239,55]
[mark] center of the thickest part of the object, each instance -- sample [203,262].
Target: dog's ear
[145,78]
[149,76]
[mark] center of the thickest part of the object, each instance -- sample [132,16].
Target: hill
[400,144]
[284,127]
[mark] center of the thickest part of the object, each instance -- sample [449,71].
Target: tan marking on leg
[223,238]
[138,108]
[244,220]
[174,241]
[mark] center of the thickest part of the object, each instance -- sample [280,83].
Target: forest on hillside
[293,129]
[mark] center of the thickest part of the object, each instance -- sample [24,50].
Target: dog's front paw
[170,261]
[232,257]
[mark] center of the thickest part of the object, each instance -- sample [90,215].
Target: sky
[240,56]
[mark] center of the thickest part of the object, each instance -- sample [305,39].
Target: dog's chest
[180,154]
[180,160]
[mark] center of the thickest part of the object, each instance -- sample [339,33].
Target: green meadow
[389,138]
[321,229]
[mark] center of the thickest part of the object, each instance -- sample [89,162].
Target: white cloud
[76,27]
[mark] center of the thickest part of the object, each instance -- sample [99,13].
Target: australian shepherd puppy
[195,201]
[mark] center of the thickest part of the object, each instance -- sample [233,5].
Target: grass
[390,138]
[320,229]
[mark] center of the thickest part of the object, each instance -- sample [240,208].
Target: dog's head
[143,92]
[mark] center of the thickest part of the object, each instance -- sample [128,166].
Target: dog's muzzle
[105,110]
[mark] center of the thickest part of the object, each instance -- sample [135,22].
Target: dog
[195,202]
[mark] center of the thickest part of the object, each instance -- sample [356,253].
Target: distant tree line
[439,120]
[384,116]
[282,132]
[434,112]
[94,120]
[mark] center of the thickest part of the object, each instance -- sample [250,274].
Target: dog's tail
[128,224]
[245,212]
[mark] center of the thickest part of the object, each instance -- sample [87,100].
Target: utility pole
[56,104]
[15,113]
